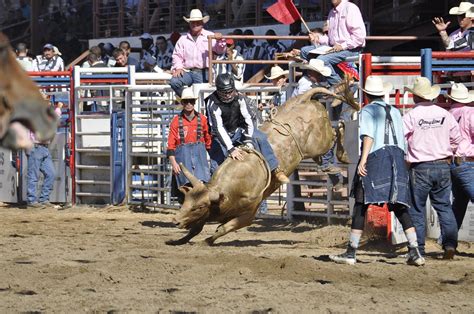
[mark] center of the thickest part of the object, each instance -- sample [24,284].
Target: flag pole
[304,23]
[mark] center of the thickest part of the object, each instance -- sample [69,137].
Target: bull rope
[265,163]
[287,128]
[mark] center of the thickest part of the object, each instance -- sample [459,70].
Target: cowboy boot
[280,175]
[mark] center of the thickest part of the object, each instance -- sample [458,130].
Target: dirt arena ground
[113,260]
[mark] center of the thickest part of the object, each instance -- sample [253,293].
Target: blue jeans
[304,51]
[39,159]
[432,179]
[188,79]
[219,153]
[462,177]
[333,59]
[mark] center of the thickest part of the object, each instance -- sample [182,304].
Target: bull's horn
[317,90]
[194,181]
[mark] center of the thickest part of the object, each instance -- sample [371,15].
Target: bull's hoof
[208,241]
[176,242]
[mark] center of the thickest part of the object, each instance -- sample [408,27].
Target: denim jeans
[219,153]
[462,177]
[39,160]
[332,59]
[188,79]
[304,51]
[432,179]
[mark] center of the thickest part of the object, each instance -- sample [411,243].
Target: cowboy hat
[460,94]
[461,9]
[276,72]
[470,13]
[422,88]
[318,66]
[188,93]
[376,87]
[196,15]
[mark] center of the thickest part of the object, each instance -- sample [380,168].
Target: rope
[265,163]
[287,128]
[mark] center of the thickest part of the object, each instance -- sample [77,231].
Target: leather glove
[249,145]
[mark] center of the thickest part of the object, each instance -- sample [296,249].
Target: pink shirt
[430,132]
[190,54]
[345,27]
[456,110]
[466,126]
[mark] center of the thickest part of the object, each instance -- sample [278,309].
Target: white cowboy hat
[461,9]
[422,88]
[460,94]
[188,93]
[375,86]
[318,66]
[470,13]
[196,15]
[276,72]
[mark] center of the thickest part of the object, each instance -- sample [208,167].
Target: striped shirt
[41,64]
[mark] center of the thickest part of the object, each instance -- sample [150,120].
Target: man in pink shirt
[191,53]
[462,170]
[457,40]
[431,133]
[346,35]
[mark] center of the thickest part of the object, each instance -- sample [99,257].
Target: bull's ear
[214,196]
[185,189]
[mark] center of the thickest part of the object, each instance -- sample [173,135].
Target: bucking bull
[22,107]
[298,130]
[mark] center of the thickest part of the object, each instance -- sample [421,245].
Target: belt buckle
[458,161]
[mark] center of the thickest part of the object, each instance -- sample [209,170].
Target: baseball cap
[146,36]
[229,41]
[48,46]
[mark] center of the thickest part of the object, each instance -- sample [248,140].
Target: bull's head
[197,202]
[22,106]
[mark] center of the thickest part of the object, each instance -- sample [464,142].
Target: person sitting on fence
[48,61]
[432,134]
[125,46]
[120,56]
[188,141]
[191,54]
[462,170]
[22,57]
[346,36]
[457,40]
[236,69]
[232,120]
[382,161]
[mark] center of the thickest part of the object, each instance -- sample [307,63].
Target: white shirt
[41,64]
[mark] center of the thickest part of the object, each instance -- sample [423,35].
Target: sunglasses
[189,101]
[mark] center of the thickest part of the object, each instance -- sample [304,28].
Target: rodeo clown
[188,141]
[231,118]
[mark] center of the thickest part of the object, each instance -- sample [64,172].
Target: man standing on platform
[191,53]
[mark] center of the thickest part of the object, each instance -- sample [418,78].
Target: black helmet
[225,87]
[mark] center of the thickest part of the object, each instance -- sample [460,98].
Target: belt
[40,144]
[459,160]
[446,160]
[195,69]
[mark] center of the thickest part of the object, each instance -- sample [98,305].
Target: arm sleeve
[35,65]
[245,111]
[178,55]
[215,121]
[407,125]
[355,25]
[367,124]
[173,138]
[454,132]
[205,132]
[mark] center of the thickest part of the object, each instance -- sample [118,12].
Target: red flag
[284,11]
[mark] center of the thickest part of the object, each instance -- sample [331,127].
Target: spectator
[48,61]
[316,74]
[278,77]
[164,53]
[188,142]
[22,57]
[457,40]
[39,160]
[174,37]
[190,56]
[429,162]
[120,56]
[462,170]
[381,162]
[125,46]
[148,60]
[346,36]
[239,44]
[232,124]
[252,51]
[295,30]
[237,69]
[106,55]
[94,61]
[273,46]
